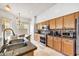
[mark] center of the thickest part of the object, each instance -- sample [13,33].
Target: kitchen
[43,29]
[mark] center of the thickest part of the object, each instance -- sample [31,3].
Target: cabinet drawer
[69,41]
[50,41]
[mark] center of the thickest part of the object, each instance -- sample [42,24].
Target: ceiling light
[7,8]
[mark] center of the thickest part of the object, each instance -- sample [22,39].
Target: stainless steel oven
[43,37]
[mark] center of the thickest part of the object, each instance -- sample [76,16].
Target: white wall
[32,29]
[57,10]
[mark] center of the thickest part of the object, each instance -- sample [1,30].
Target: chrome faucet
[4,41]
[4,34]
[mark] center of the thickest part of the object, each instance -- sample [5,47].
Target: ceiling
[28,10]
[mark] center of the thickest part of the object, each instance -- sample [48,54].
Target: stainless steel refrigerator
[77,37]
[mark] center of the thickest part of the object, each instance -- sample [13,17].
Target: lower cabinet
[68,46]
[50,41]
[57,43]
[37,37]
[63,45]
[54,42]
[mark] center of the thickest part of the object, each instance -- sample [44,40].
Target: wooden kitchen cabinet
[40,26]
[76,15]
[50,41]
[59,23]
[52,24]
[47,22]
[68,46]
[44,23]
[37,37]
[36,26]
[57,43]
[69,21]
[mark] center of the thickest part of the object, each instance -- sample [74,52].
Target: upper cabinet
[40,26]
[76,14]
[52,24]
[69,21]
[46,23]
[59,23]
[64,22]
[36,26]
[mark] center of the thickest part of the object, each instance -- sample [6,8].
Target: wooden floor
[45,51]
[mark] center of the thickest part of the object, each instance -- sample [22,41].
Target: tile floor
[45,51]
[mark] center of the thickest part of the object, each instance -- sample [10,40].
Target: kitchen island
[27,50]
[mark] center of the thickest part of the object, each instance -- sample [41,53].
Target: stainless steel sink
[14,44]
[16,41]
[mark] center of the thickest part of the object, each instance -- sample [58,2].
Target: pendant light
[7,7]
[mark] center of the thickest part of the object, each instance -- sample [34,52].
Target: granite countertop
[19,51]
[63,37]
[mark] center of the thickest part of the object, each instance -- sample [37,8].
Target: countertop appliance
[70,33]
[57,33]
[51,33]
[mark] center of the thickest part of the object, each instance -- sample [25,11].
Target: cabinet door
[47,22]
[52,24]
[50,41]
[59,23]
[57,43]
[40,26]
[76,14]
[68,46]
[37,37]
[35,26]
[69,21]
